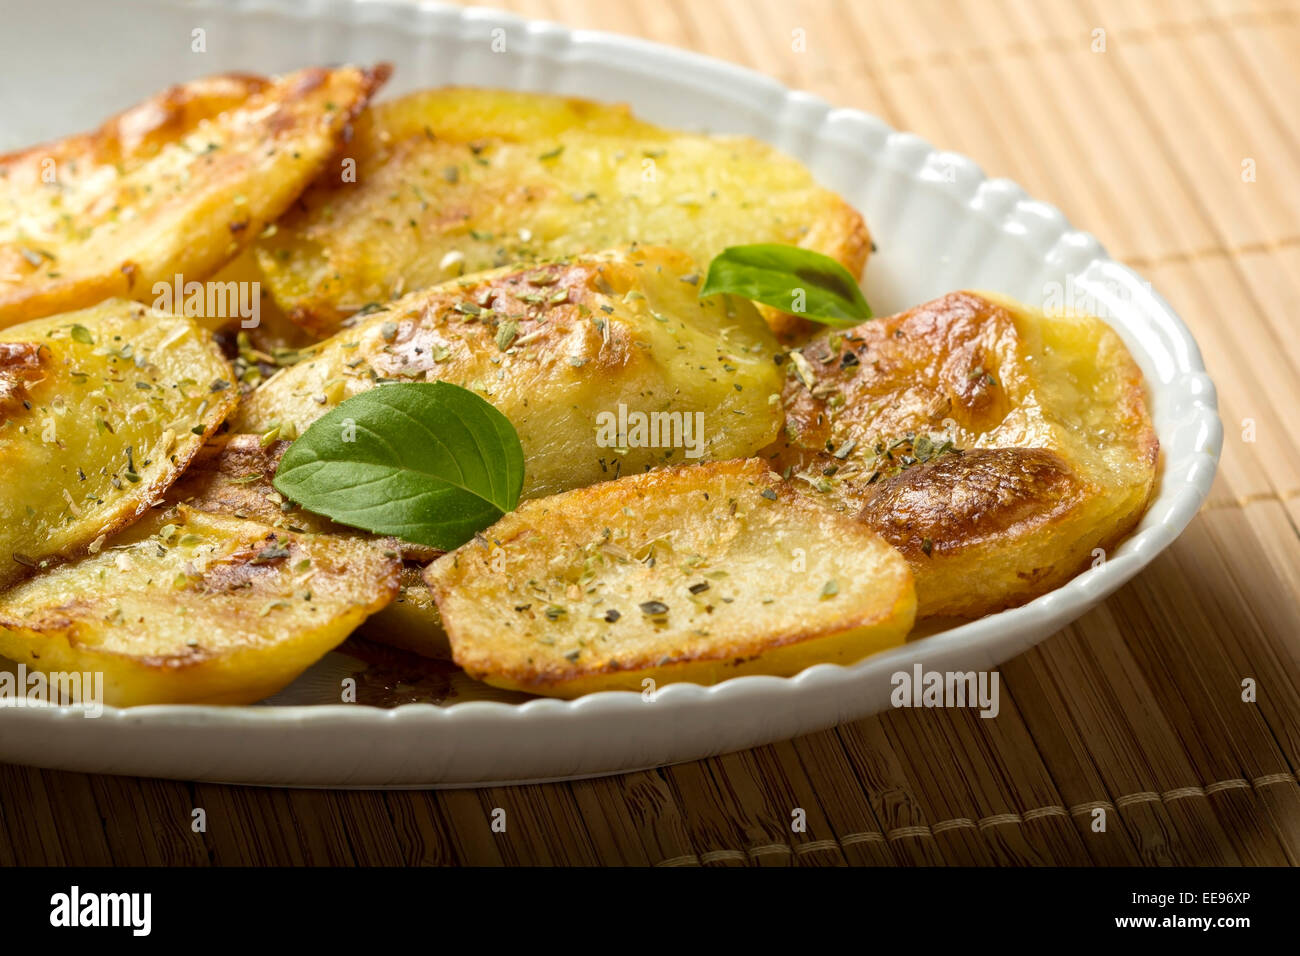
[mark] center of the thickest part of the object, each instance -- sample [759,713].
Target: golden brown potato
[994,446]
[100,410]
[692,573]
[196,608]
[458,180]
[174,186]
[558,348]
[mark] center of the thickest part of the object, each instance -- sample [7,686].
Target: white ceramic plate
[940,225]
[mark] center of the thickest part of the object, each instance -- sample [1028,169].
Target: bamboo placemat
[1137,708]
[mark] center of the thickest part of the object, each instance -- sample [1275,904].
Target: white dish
[939,223]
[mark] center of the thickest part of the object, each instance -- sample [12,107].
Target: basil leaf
[786,277]
[429,462]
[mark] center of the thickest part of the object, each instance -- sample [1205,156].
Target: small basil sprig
[428,462]
[789,278]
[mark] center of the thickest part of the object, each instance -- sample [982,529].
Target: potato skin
[99,411]
[203,167]
[557,597]
[582,335]
[1035,443]
[491,177]
[196,608]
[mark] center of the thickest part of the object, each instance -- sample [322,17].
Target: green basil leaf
[786,278]
[429,462]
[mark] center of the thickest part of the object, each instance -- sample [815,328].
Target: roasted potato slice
[692,573]
[458,180]
[995,446]
[558,348]
[100,410]
[174,186]
[197,608]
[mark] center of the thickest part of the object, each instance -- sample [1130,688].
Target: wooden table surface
[1177,145]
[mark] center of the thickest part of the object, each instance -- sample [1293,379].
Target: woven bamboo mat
[1137,707]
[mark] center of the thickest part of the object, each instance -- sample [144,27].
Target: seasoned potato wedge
[174,186]
[558,348]
[692,573]
[197,608]
[100,410]
[995,446]
[458,180]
